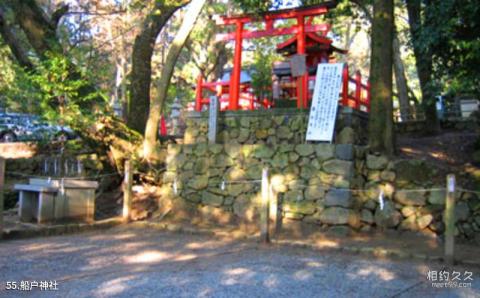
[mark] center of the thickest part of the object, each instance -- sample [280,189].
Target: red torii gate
[300,29]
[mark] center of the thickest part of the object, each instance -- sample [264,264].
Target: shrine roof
[314,42]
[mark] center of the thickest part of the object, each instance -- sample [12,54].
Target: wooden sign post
[213,120]
[127,191]
[265,208]
[449,220]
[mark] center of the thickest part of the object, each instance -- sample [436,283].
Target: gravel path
[130,262]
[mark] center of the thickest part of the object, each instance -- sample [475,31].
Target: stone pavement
[139,262]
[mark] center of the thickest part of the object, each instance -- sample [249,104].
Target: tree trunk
[108,134]
[16,48]
[381,130]
[400,79]
[141,74]
[39,30]
[423,61]
[188,23]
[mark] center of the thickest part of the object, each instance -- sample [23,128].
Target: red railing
[360,98]
[356,98]
[248,101]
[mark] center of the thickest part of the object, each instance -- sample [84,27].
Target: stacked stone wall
[331,186]
[275,126]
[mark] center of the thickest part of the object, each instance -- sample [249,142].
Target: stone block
[198,182]
[346,136]
[462,211]
[409,223]
[387,176]
[307,171]
[387,217]
[212,199]
[304,149]
[366,216]
[411,198]
[344,151]
[424,221]
[437,197]
[375,162]
[408,210]
[244,207]
[293,215]
[335,216]
[313,193]
[264,152]
[302,207]
[243,135]
[293,195]
[324,151]
[338,197]
[280,160]
[284,132]
[338,167]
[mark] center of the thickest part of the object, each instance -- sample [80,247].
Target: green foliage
[62,94]
[263,59]
[257,6]
[16,90]
[451,32]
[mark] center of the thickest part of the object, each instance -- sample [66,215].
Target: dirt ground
[450,151]
[133,262]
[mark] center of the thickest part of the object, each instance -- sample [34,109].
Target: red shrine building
[293,79]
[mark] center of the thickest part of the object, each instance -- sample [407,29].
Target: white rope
[468,190]
[66,178]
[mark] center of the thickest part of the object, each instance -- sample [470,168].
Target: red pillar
[237,65]
[198,94]
[163,126]
[345,86]
[358,89]
[302,82]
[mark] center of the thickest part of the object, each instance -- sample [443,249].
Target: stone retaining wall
[275,126]
[332,186]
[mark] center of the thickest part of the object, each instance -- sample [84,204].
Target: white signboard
[323,112]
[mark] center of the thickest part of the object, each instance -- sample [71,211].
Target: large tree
[141,74]
[423,59]
[151,130]
[381,130]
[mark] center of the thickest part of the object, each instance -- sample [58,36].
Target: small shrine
[293,79]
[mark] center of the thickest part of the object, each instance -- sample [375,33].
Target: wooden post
[127,191]
[275,214]
[449,220]
[2,186]
[213,120]
[265,207]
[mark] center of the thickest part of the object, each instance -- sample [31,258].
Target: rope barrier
[65,178]
[468,190]
[224,183]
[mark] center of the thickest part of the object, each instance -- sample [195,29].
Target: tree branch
[58,14]
[13,43]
